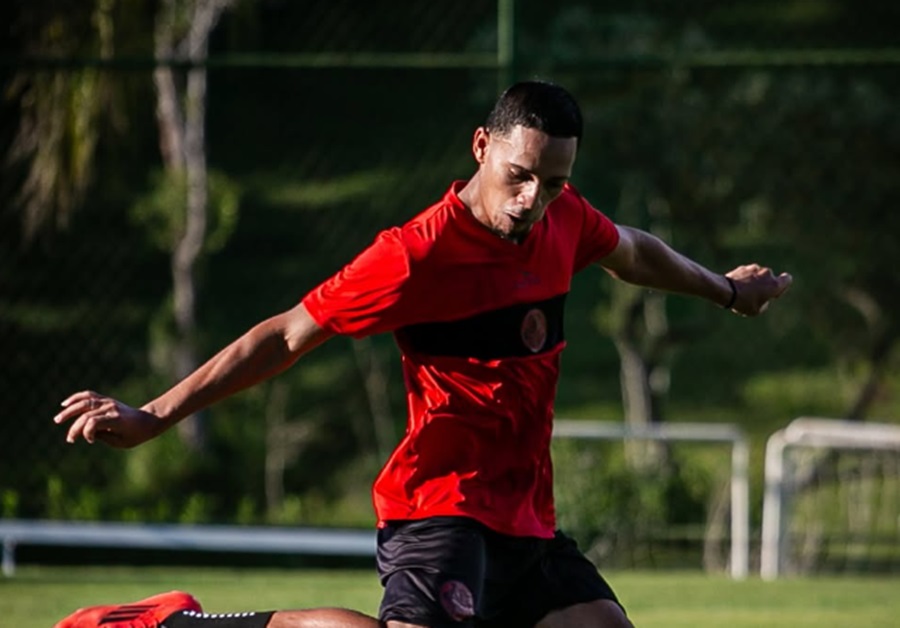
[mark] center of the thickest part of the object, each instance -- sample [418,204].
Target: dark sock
[196,619]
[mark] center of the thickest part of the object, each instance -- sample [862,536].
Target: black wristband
[733,298]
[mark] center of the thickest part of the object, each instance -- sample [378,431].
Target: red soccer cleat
[148,613]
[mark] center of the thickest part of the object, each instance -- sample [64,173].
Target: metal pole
[772,524]
[740,510]
[9,557]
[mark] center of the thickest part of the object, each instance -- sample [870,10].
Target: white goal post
[689,432]
[816,433]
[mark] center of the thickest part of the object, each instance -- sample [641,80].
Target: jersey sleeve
[365,297]
[599,236]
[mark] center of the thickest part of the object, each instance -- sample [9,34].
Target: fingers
[774,286]
[72,405]
[90,414]
[89,424]
[784,282]
[757,287]
[95,426]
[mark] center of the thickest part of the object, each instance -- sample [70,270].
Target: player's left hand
[756,287]
[97,417]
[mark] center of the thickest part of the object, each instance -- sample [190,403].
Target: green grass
[38,596]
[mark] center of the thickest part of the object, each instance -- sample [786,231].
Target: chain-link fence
[739,131]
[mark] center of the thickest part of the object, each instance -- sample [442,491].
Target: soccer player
[473,289]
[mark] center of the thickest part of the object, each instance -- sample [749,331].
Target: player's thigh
[596,614]
[432,571]
[559,584]
[567,587]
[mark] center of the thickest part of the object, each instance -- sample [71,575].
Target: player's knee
[596,614]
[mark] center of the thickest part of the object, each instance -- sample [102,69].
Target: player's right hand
[96,417]
[757,286]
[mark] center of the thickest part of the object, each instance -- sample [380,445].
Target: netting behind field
[843,512]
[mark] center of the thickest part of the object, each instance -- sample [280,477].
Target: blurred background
[175,171]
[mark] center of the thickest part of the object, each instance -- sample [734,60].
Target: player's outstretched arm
[643,259]
[265,350]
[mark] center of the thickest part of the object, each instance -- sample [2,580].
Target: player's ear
[480,143]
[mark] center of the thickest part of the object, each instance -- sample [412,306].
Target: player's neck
[470,195]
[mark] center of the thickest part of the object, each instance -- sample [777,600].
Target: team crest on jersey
[534,330]
[457,600]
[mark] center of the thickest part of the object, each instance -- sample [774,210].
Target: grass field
[38,596]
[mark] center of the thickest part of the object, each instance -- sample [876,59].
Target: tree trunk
[285,439]
[375,378]
[640,331]
[181,116]
[879,363]
[644,377]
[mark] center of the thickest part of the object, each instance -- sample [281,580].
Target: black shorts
[456,572]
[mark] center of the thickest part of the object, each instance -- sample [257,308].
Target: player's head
[525,154]
[536,105]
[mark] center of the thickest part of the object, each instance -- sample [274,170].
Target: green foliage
[289,512]
[802,393]
[56,508]
[616,510]
[196,509]
[246,511]
[157,465]
[317,194]
[162,211]
[9,504]
[73,502]
[61,116]
[792,166]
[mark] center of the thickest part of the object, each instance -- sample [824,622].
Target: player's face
[520,174]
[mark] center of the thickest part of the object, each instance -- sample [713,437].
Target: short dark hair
[537,105]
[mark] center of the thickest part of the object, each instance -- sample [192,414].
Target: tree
[832,193]
[183,28]
[60,110]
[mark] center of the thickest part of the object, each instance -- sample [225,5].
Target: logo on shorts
[457,600]
[534,330]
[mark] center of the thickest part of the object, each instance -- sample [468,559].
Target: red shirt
[478,320]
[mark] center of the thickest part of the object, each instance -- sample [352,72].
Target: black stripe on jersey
[520,330]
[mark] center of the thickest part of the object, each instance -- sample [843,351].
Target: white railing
[249,539]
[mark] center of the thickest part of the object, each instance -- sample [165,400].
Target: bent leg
[330,618]
[322,618]
[304,618]
[177,609]
[596,614]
